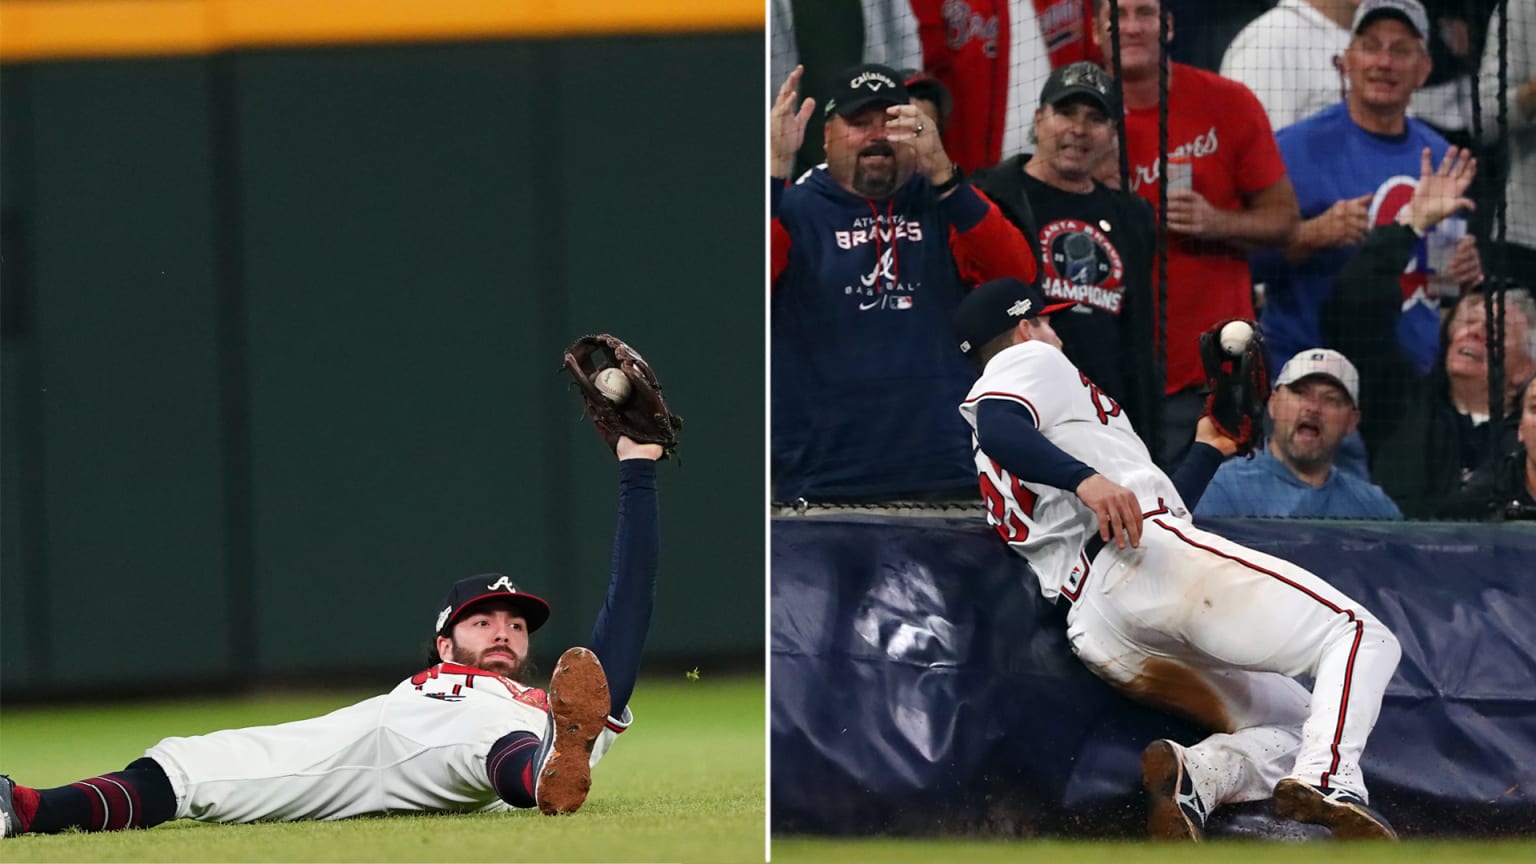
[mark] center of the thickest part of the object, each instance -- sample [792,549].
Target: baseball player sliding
[464,734]
[1170,614]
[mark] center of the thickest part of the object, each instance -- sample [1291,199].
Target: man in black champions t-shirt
[1095,243]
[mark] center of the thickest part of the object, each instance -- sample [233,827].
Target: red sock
[25,800]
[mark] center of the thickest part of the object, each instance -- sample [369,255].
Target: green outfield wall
[280,338]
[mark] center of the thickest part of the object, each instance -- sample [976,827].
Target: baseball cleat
[1341,812]
[1174,808]
[578,709]
[10,823]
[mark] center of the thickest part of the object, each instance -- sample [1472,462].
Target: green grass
[804,850]
[686,783]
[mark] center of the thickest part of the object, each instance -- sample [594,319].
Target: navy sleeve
[1195,472]
[1006,431]
[963,209]
[619,634]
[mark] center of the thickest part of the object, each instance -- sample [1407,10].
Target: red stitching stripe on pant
[1349,668]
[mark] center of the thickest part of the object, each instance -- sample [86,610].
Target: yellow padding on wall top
[59,29]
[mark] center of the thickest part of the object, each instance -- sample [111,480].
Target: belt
[1092,548]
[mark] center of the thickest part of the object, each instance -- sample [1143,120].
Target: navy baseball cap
[489,586]
[1407,11]
[869,84]
[998,306]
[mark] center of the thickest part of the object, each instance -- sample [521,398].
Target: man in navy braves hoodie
[871,253]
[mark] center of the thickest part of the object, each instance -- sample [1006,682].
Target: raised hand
[907,124]
[786,125]
[1439,193]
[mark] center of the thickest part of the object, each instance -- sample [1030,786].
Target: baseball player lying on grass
[1169,614]
[464,735]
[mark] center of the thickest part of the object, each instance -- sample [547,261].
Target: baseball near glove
[1237,373]
[621,393]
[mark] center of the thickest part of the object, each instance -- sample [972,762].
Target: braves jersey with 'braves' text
[1049,526]
[1221,129]
[419,748]
[1330,158]
[866,369]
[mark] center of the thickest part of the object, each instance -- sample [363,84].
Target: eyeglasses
[1398,52]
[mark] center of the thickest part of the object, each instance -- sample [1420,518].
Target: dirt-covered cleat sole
[578,706]
[1339,811]
[10,823]
[1174,808]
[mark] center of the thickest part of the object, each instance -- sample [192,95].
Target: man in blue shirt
[1313,407]
[1354,166]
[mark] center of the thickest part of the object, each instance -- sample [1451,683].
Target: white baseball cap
[1407,11]
[1322,361]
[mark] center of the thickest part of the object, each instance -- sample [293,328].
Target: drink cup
[1440,249]
[1181,173]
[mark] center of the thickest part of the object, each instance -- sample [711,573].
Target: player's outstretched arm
[618,637]
[1207,433]
[1210,449]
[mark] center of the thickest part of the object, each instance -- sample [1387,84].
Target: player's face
[1040,331]
[1075,139]
[1138,35]
[493,637]
[1311,417]
[1466,354]
[860,157]
[1385,64]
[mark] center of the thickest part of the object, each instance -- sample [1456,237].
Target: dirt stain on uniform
[1177,688]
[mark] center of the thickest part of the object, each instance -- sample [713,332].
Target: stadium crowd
[1354,175]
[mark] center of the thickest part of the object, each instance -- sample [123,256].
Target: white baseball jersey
[1044,524]
[419,748]
[1188,621]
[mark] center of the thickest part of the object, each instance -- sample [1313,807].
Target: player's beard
[498,658]
[876,179]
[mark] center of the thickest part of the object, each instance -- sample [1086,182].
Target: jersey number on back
[1003,517]
[1102,402]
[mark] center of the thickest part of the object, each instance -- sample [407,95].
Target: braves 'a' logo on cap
[503,583]
[1020,309]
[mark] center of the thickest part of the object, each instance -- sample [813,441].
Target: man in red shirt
[1238,198]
